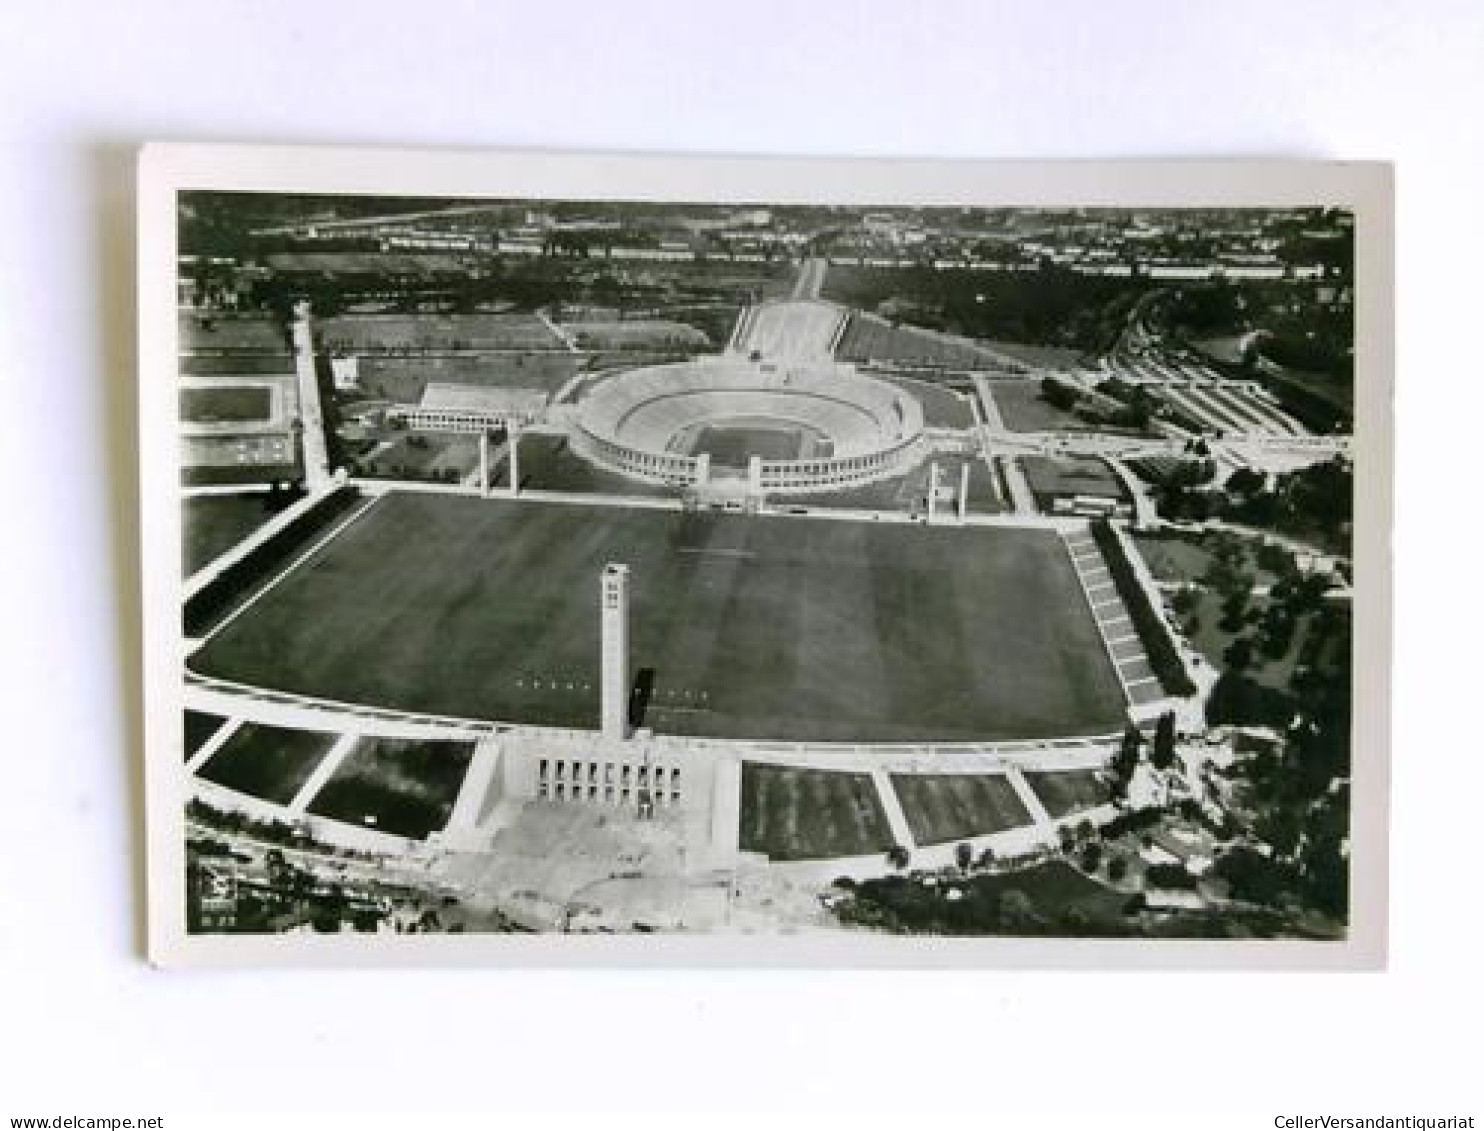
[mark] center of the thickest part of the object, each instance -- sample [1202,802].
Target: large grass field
[1024,409]
[801,814]
[943,807]
[742,627]
[733,446]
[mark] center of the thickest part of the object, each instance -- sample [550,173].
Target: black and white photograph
[760,567]
[765,565]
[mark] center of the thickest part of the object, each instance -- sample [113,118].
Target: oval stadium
[779,427]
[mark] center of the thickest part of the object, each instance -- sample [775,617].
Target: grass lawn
[947,807]
[547,463]
[1059,901]
[267,762]
[1051,477]
[226,404]
[248,473]
[636,334]
[1038,357]
[802,814]
[941,407]
[1187,559]
[1212,641]
[424,456]
[403,379]
[869,338]
[1189,562]
[212,524]
[198,728]
[908,493]
[750,627]
[1054,885]
[1066,791]
[406,787]
[239,333]
[1023,409]
[1180,560]
[435,333]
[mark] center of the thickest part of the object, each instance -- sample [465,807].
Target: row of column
[789,473]
[513,488]
[670,468]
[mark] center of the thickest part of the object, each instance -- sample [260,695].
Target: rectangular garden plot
[401,786]
[793,813]
[199,728]
[1067,791]
[267,762]
[948,807]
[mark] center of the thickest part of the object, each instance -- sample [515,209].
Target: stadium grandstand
[794,427]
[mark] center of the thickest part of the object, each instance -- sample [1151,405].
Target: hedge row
[1153,633]
[209,605]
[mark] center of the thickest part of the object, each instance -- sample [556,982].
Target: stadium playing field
[733,446]
[741,627]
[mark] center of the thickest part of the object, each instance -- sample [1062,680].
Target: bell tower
[614,615]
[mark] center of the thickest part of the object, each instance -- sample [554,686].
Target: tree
[1016,911]
[1126,760]
[1238,654]
[1058,394]
[1117,868]
[898,857]
[1253,877]
[1092,855]
[1076,921]
[964,854]
[1162,754]
[1185,600]
[1274,558]
[1245,482]
[1234,611]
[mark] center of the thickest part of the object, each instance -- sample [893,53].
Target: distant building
[1076,485]
[450,407]
[345,371]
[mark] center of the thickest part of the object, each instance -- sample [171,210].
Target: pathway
[316,452]
[562,335]
[331,762]
[811,278]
